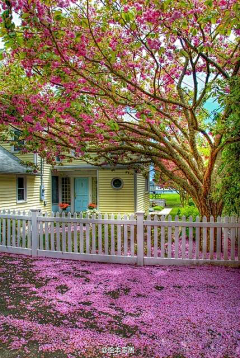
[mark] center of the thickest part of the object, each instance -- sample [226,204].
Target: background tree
[163,60]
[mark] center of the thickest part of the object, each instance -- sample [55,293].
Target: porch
[77,188]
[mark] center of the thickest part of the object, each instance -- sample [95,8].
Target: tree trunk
[208,208]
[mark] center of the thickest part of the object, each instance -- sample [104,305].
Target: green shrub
[188,211]
[158,207]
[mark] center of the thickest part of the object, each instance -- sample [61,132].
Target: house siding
[112,200]
[8,194]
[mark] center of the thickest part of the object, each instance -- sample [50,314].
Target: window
[66,191]
[117,183]
[21,189]
[18,143]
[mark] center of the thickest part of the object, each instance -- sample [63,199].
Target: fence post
[35,213]
[140,241]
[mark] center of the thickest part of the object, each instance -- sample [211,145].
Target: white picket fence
[128,239]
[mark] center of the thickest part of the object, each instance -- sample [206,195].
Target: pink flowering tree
[162,60]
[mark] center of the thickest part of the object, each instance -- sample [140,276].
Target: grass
[172,200]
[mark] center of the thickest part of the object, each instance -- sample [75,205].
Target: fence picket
[81,235]
[29,237]
[106,235]
[9,230]
[52,235]
[204,238]
[63,233]
[46,230]
[19,230]
[24,231]
[14,230]
[112,237]
[169,238]
[100,235]
[118,236]
[132,236]
[176,237]
[41,232]
[225,240]
[211,239]
[87,236]
[69,234]
[183,239]
[57,233]
[125,235]
[4,230]
[162,238]
[232,235]
[94,236]
[149,229]
[155,237]
[75,234]
[219,239]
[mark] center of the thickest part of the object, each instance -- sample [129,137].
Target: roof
[10,164]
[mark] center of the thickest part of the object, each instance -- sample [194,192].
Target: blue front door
[81,194]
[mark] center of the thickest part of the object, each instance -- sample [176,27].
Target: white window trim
[25,189]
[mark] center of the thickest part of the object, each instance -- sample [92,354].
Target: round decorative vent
[117,183]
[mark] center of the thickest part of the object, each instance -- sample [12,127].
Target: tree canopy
[87,62]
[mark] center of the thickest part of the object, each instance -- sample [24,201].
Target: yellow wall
[115,201]
[8,194]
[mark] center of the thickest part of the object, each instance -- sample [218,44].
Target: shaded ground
[62,308]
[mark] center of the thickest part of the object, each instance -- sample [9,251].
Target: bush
[158,208]
[188,211]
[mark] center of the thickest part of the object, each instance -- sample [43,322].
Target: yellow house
[77,184]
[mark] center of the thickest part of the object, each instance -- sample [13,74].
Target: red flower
[92,206]
[63,206]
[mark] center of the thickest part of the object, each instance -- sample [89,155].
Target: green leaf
[113,125]
[209,3]
[194,31]
[25,15]
[184,25]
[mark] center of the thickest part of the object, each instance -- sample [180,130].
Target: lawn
[172,200]
[58,308]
